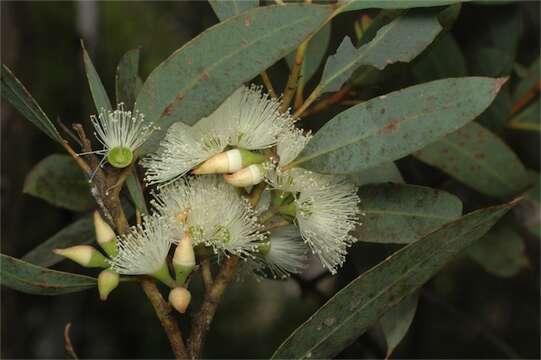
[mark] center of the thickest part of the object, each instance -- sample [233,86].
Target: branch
[205,315]
[335,98]
[268,84]
[293,79]
[523,101]
[165,314]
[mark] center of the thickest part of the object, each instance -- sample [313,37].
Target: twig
[293,79]
[82,164]
[68,346]
[165,315]
[523,101]
[256,193]
[205,315]
[268,84]
[206,273]
[335,98]
[313,97]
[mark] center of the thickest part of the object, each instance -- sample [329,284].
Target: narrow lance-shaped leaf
[500,252]
[402,214]
[400,41]
[396,322]
[385,172]
[31,279]
[195,79]
[349,313]
[394,125]
[478,158]
[136,192]
[80,232]
[101,100]
[226,8]
[17,95]
[127,73]
[353,5]
[57,180]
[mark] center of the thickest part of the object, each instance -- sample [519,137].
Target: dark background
[463,313]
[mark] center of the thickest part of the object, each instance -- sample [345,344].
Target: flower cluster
[226,187]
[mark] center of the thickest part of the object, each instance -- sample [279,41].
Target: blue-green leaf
[101,100]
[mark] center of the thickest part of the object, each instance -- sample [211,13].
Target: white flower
[121,133]
[291,142]
[213,214]
[182,149]
[253,117]
[143,250]
[326,212]
[286,253]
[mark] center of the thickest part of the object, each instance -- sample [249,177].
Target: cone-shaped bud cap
[107,282]
[228,162]
[105,235]
[184,259]
[180,298]
[84,255]
[251,175]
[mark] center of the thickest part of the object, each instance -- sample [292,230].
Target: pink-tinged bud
[251,175]
[107,281]
[184,259]
[84,255]
[180,298]
[228,162]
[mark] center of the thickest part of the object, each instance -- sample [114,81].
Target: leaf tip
[498,83]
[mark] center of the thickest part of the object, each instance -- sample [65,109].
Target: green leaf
[443,59]
[528,119]
[396,322]
[127,73]
[387,47]
[478,158]
[17,95]
[396,4]
[36,280]
[349,313]
[80,232]
[195,79]
[402,214]
[386,172]
[530,81]
[500,251]
[58,180]
[227,8]
[394,125]
[315,52]
[101,100]
[136,192]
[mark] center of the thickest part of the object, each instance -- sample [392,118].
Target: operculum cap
[84,255]
[180,298]
[228,162]
[107,281]
[250,175]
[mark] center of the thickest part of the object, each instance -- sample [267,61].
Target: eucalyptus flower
[143,250]
[248,121]
[212,213]
[284,253]
[120,132]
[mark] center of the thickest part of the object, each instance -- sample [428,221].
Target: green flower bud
[164,276]
[105,235]
[229,162]
[107,281]
[184,259]
[84,255]
[180,298]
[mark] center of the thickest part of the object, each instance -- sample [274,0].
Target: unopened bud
[105,235]
[228,162]
[164,276]
[180,298]
[84,255]
[184,259]
[251,175]
[107,281]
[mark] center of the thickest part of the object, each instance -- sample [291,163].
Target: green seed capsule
[120,157]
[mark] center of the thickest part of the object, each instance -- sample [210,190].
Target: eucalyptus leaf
[36,280]
[58,180]
[400,41]
[500,252]
[529,82]
[352,5]
[127,73]
[394,125]
[226,8]
[314,54]
[136,192]
[17,95]
[396,322]
[478,158]
[80,232]
[195,79]
[385,172]
[349,313]
[402,214]
[101,100]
